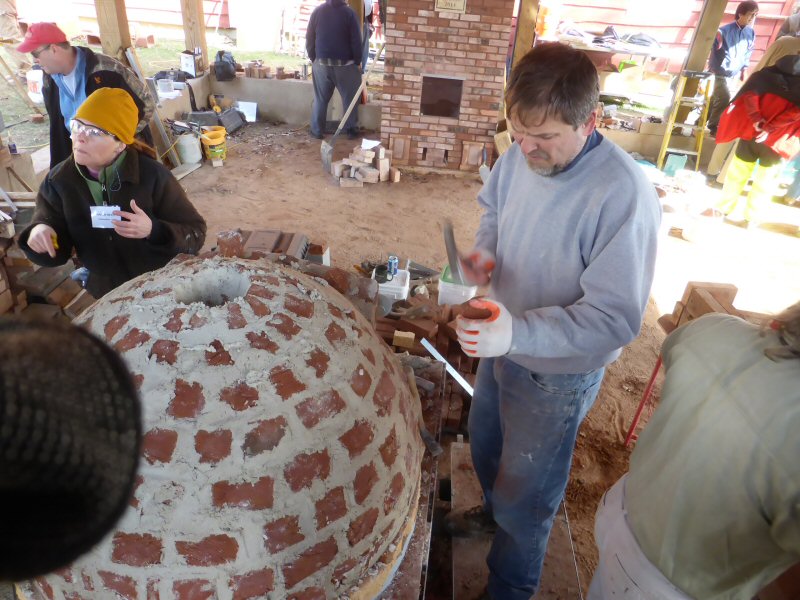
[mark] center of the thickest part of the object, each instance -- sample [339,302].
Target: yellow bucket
[213,139]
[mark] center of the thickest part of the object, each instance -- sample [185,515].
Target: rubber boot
[738,174]
[765,181]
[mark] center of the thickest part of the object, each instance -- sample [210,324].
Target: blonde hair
[143,148]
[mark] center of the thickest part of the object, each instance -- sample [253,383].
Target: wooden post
[194,28]
[526,29]
[112,21]
[358,8]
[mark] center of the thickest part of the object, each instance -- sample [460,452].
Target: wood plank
[112,20]
[526,29]
[194,28]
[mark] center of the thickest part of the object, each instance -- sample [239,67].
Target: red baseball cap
[41,34]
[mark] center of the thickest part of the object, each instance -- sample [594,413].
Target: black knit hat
[70,433]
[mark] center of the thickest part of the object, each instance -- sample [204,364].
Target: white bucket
[188,147]
[35,78]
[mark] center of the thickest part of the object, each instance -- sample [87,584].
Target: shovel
[326,150]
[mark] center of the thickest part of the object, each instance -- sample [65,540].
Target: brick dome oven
[281,457]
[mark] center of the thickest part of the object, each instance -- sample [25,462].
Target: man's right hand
[478,266]
[41,240]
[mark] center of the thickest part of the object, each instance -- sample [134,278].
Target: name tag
[103,217]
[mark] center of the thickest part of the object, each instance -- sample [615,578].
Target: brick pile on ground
[281,451]
[365,166]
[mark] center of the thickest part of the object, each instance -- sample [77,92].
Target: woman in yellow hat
[122,211]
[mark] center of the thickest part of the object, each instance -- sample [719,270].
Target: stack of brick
[365,166]
[256,69]
[44,292]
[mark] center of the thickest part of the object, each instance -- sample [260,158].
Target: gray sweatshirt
[575,256]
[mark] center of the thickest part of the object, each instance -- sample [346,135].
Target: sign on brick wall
[452,5]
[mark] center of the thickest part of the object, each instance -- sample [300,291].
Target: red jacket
[771,99]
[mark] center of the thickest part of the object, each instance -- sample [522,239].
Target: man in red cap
[72,73]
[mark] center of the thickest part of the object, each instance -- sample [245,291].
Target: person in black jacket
[122,212]
[333,43]
[72,73]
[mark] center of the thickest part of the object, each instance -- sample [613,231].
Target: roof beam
[526,29]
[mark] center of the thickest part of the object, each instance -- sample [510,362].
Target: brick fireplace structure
[444,81]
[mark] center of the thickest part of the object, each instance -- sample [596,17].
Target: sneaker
[317,136]
[470,523]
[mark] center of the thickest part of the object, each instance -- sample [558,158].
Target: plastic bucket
[35,78]
[188,147]
[214,142]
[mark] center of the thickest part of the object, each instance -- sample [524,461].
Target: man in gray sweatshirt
[568,242]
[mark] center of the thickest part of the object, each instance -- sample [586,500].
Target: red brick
[389,449]
[113,326]
[46,588]
[236,319]
[196,321]
[240,396]
[259,308]
[325,405]
[369,355]
[285,382]
[193,589]
[132,339]
[120,584]
[261,341]
[158,445]
[307,468]
[175,323]
[299,306]
[285,325]
[218,356]
[260,291]
[362,526]
[213,446]
[335,334]
[252,496]
[384,394]
[155,293]
[165,351]
[212,550]
[87,582]
[357,438]
[393,493]
[254,584]
[282,533]
[187,401]
[309,562]
[313,593]
[342,570]
[265,436]
[318,360]
[136,550]
[365,480]
[152,590]
[331,507]
[360,381]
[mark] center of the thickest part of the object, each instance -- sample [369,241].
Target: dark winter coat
[770,97]
[334,31]
[64,202]
[101,71]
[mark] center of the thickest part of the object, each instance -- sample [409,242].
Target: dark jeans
[346,80]
[720,98]
[522,428]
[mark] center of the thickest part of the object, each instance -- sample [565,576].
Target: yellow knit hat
[111,109]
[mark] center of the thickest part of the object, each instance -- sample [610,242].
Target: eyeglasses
[38,51]
[77,127]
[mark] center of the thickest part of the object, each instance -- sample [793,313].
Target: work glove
[478,266]
[485,337]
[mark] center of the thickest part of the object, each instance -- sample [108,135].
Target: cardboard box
[191,63]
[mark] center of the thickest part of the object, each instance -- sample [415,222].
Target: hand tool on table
[434,447]
[453,259]
[326,149]
[484,170]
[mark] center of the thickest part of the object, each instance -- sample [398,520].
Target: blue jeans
[366,34]
[522,428]
[347,80]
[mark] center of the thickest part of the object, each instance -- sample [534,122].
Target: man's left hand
[486,337]
[135,225]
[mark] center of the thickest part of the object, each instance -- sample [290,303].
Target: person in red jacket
[765,117]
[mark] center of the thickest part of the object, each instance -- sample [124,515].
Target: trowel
[456,272]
